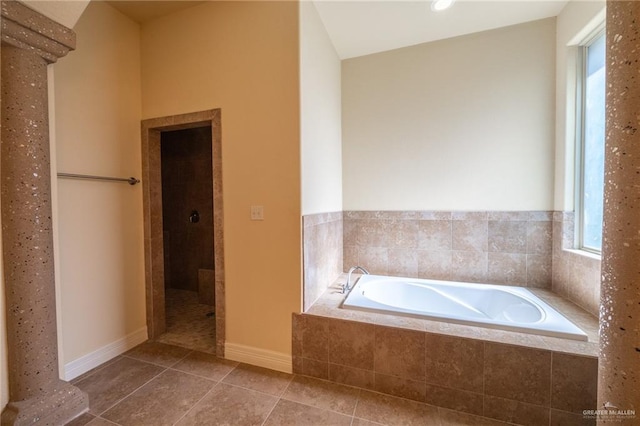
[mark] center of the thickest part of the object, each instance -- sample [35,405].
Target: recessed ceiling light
[439,5]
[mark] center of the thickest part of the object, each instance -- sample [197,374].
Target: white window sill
[584,253]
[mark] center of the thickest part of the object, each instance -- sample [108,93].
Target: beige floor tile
[81,420]
[390,410]
[93,370]
[293,414]
[457,418]
[206,365]
[230,405]
[162,401]
[158,353]
[259,379]
[114,382]
[363,422]
[100,422]
[322,394]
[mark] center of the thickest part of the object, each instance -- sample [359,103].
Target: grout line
[131,393]
[106,420]
[96,369]
[196,403]
[550,386]
[270,411]
[484,364]
[145,361]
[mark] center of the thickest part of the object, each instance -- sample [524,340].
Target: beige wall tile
[351,344]
[517,412]
[434,235]
[518,373]
[399,352]
[539,237]
[507,236]
[469,235]
[574,383]
[401,387]
[454,362]
[469,266]
[434,264]
[507,268]
[402,262]
[455,399]
[315,338]
[351,376]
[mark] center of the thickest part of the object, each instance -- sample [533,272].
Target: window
[590,137]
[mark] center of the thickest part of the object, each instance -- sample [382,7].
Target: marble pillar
[619,362]
[30,42]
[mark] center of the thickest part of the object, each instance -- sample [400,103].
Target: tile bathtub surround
[504,382]
[576,275]
[322,247]
[507,376]
[511,248]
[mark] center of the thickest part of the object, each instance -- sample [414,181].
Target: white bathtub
[484,305]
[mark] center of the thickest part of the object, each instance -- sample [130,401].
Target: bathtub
[483,305]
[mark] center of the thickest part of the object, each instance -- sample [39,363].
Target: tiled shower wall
[498,247]
[322,235]
[576,275]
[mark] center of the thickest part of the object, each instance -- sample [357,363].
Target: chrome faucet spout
[346,287]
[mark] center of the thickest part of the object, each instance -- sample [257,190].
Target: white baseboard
[91,360]
[261,357]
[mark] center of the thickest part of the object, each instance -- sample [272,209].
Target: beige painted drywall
[458,124]
[574,23]
[97,110]
[242,57]
[320,116]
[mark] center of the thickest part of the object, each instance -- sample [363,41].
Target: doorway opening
[187,230]
[184,257]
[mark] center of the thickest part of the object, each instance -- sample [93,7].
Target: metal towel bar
[130,181]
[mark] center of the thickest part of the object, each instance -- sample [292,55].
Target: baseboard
[261,357]
[85,363]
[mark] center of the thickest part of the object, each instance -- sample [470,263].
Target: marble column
[30,42]
[619,362]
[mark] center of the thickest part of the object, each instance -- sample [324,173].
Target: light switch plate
[257,212]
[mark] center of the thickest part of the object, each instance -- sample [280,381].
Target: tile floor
[158,384]
[187,322]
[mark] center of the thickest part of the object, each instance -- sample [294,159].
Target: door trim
[152,211]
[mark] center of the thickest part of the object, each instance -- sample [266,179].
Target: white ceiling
[362,27]
[359,28]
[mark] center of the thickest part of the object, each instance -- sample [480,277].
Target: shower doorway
[182,186]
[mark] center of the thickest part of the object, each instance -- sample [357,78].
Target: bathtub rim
[550,312]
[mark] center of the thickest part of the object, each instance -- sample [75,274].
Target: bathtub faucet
[346,287]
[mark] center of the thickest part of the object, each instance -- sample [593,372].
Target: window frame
[581,83]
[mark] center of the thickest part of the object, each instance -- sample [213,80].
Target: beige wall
[242,57]
[458,124]
[320,116]
[99,225]
[574,23]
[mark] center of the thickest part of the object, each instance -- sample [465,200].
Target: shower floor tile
[187,322]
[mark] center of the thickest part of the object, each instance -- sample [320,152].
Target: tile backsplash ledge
[523,248]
